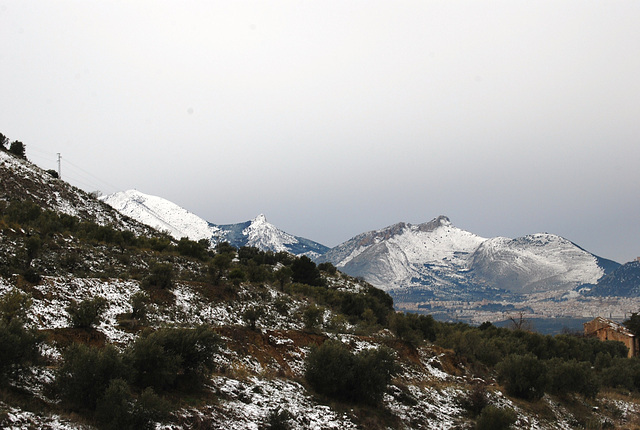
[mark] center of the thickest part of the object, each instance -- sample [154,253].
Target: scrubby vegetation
[132,385]
[18,342]
[336,372]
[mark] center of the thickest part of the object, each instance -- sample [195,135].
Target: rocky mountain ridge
[443,261]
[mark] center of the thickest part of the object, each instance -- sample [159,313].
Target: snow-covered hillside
[166,216]
[449,262]
[161,214]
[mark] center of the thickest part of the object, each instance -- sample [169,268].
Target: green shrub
[14,305]
[168,356]
[572,377]
[413,328]
[118,409]
[252,314]
[334,371]
[160,276]
[237,276]
[218,266]
[305,271]
[475,400]
[523,376]
[312,317]
[328,268]
[87,313]
[151,365]
[190,248]
[278,419]
[19,347]
[86,373]
[623,373]
[32,276]
[281,305]
[373,371]
[494,418]
[330,369]
[139,306]
[18,343]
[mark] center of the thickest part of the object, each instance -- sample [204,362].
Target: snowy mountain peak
[443,220]
[260,219]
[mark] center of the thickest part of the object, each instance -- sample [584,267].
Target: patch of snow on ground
[15,419]
[247,404]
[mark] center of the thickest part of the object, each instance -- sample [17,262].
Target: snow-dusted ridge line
[164,215]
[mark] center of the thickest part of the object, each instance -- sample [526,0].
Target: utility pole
[59,173]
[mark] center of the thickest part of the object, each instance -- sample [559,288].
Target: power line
[92,175]
[88,179]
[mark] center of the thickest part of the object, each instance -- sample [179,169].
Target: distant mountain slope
[624,281]
[178,222]
[21,180]
[453,263]
[537,262]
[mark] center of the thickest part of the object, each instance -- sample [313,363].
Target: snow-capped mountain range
[443,261]
[166,216]
[436,258]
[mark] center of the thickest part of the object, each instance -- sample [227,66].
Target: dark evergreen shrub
[494,418]
[622,373]
[18,149]
[118,409]
[328,268]
[32,276]
[312,317]
[330,369]
[413,328]
[523,376]
[190,248]
[87,313]
[14,305]
[278,419]
[475,400]
[334,371]
[18,347]
[168,356]
[305,271]
[373,371]
[572,377]
[139,306]
[160,276]
[252,314]
[151,365]
[86,373]
[237,275]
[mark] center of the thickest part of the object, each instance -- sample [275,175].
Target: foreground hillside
[105,327]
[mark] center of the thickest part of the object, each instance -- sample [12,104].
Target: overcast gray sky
[338,117]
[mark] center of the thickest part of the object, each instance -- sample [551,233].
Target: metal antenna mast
[59,173]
